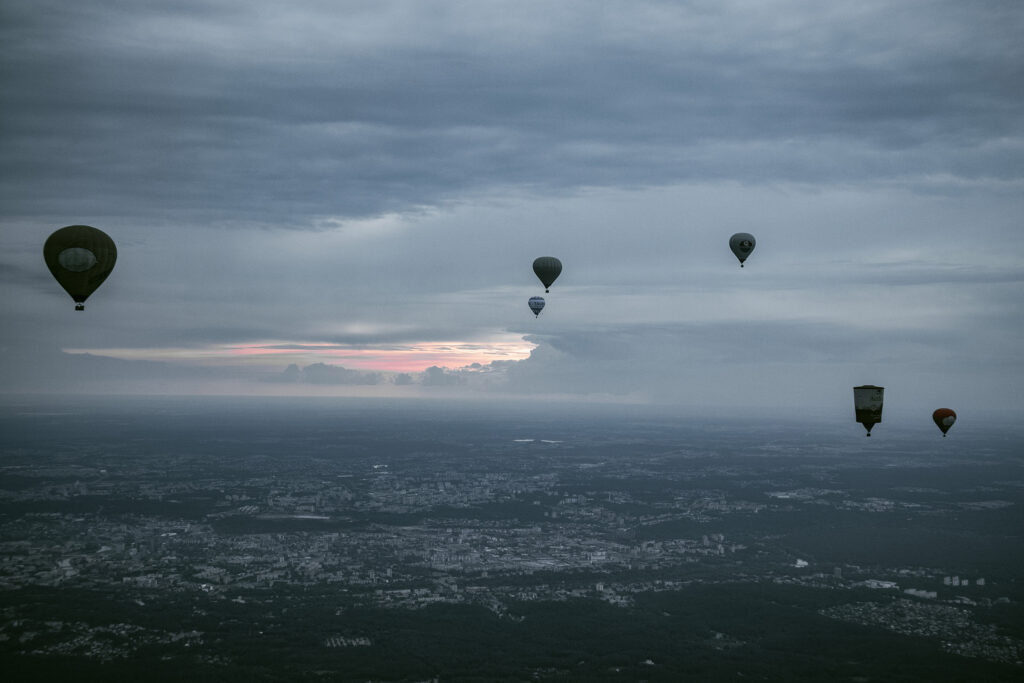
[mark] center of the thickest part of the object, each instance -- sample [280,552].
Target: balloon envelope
[80,258]
[742,243]
[547,269]
[536,304]
[944,419]
[867,403]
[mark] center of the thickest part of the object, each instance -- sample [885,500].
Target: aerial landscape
[312,538]
[433,340]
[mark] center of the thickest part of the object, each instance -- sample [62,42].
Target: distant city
[166,531]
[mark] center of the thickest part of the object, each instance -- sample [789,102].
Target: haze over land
[359,190]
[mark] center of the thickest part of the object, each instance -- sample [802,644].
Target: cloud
[433,376]
[322,373]
[249,112]
[763,363]
[46,369]
[440,377]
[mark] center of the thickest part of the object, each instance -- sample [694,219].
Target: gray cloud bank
[280,114]
[786,366]
[322,373]
[433,376]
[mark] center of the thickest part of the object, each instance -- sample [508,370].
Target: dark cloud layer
[219,113]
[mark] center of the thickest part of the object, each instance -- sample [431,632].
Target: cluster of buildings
[953,625]
[419,537]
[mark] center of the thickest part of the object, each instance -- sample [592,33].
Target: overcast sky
[359,189]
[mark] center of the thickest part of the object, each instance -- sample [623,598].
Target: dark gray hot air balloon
[742,243]
[547,269]
[944,419]
[80,258]
[867,402]
[536,304]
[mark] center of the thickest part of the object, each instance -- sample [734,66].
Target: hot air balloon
[536,305]
[547,269]
[742,243]
[944,419]
[867,402]
[80,258]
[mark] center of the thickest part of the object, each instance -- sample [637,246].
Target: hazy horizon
[901,420]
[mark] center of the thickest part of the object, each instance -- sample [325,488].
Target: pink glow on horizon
[415,357]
